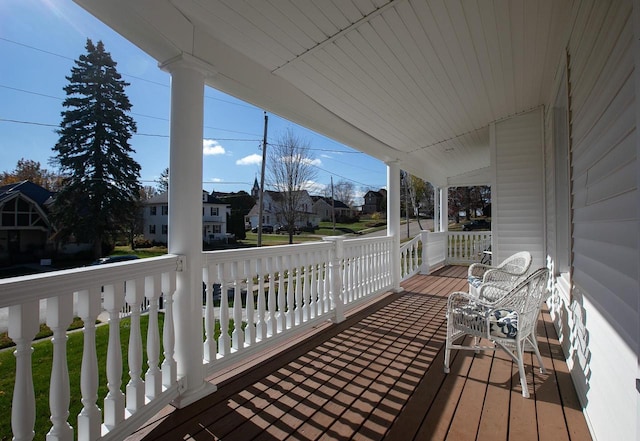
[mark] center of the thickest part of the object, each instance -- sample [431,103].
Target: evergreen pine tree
[101,183]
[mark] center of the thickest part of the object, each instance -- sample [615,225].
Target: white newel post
[336,257]
[185,221]
[23,327]
[393,221]
[424,238]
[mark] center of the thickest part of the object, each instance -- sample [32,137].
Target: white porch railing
[275,292]
[91,291]
[466,247]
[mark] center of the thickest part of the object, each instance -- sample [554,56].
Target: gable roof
[337,203]
[36,193]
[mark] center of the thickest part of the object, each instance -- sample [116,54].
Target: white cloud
[314,188]
[212,147]
[250,160]
[216,180]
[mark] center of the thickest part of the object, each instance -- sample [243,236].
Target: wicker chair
[508,273]
[509,322]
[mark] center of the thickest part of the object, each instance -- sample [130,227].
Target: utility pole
[261,196]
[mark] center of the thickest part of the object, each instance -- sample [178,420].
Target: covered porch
[378,375]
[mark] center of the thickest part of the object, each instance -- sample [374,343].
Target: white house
[325,208]
[272,211]
[214,218]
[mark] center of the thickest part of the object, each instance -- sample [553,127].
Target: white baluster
[298,290]
[90,416]
[237,336]
[23,327]
[281,316]
[59,317]
[209,347]
[250,329]
[114,401]
[261,324]
[153,376]
[224,342]
[272,321]
[289,314]
[306,291]
[135,386]
[169,368]
[313,281]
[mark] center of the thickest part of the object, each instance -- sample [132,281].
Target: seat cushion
[503,323]
[475,281]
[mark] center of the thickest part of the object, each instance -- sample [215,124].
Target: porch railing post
[335,276]
[424,238]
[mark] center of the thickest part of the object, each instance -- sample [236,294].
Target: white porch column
[444,209]
[393,219]
[185,221]
[436,209]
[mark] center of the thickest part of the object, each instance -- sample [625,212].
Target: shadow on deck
[379,376]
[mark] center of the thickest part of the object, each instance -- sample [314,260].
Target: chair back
[518,263]
[526,299]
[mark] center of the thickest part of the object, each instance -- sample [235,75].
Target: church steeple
[255,191]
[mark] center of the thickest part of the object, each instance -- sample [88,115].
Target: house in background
[24,224]
[272,211]
[324,208]
[375,201]
[214,218]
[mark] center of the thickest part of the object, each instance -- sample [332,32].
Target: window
[152,229]
[165,210]
[152,210]
[214,211]
[165,229]
[217,229]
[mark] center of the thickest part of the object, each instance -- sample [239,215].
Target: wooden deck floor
[379,376]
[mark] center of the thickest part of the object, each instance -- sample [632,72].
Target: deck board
[379,376]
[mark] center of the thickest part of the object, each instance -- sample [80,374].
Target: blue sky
[39,41]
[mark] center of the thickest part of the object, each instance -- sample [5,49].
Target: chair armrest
[460,298]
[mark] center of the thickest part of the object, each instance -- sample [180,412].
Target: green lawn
[41,365]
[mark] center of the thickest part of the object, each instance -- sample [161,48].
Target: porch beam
[185,221]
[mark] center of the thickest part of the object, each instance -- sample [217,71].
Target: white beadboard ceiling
[413,81]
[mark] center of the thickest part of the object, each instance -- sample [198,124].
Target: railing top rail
[23,289]
[368,239]
[241,254]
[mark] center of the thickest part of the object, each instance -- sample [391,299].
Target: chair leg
[534,343]
[447,355]
[523,377]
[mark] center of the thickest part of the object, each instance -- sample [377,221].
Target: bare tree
[345,192]
[290,171]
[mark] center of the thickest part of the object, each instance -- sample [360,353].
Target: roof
[418,83]
[163,198]
[36,193]
[336,204]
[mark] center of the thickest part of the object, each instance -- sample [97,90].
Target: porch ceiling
[418,81]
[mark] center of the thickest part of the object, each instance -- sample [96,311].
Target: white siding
[518,215]
[598,323]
